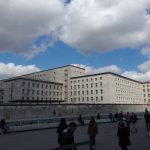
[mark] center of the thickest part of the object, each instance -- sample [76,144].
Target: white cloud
[23,21]
[142,75]
[145,67]
[139,76]
[12,70]
[89,25]
[146,51]
[103,25]
[91,69]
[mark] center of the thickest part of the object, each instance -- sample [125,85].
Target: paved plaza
[47,139]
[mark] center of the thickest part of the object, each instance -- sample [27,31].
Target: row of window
[38,85]
[126,81]
[144,90]
[87,92]
[40,98]
[148,85]
[148,95]
[87,80]
[86,85]
[33,92]
[83,99]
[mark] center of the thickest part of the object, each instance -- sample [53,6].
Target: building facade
[71,84]
[105,88]
[146,92]
[20,89]
[61,75]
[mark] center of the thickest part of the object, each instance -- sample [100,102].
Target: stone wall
[30,112]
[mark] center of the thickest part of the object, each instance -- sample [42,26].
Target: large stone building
[105,88]
[72,85]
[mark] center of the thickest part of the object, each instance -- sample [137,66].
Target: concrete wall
[29,112]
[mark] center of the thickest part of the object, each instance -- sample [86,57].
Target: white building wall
[114,89]
[146,92]
[60,74]
[26,89]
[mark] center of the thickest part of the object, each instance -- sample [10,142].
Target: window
[37,92]
[95,84]
[101,98]
[78,86]
[101,84]
[96,98]
[101,91]
[82,92]
[33,85]
[23,83]
[91,85]
[96,91]
[37,85]
[86,85]
[91,91]
[23,91]
[78,92]
[33,92]
[100,78]
[87,92]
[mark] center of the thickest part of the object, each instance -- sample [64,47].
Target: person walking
[133,119]
[123,134]
[68,137]
[128,120]
[92,132]
[147,120]
[4,127]
[61,127]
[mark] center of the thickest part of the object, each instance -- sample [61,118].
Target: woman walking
[92,131]
[123,134]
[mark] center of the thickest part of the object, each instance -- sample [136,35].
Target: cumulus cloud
[91,69]
[88,25]
[146,51]
[142,74]
[12,70]
[103,25]
[22,22]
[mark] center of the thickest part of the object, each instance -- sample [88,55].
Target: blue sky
[106,35]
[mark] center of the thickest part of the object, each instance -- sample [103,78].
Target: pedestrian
[110,117]
[128,120]
[4,126]
[68,137]
[123,134]
[61,127]
[98,116]
[92,132]
[80,120]
[147,120]
[133,119]
[116,116]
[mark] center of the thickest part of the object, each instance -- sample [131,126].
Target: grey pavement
[47,139]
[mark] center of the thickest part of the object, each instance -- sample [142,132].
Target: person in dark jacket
[133,119]
[68,137]
[147,119]
[61,127]
[4,127]
[123,134]
[92,132]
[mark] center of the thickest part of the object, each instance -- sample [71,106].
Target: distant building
[71,84]
[105,88]
[146,92]
[18,89]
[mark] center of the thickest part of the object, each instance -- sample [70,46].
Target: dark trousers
[124,147]
[92,140]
